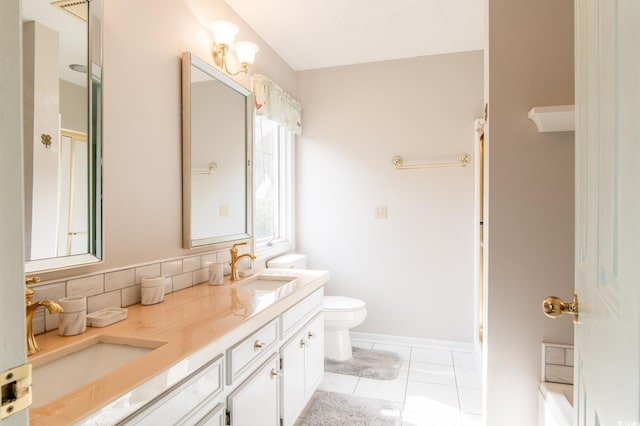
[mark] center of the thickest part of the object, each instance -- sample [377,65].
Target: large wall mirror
[62,67]
[216,155]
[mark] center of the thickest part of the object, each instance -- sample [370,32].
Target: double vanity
[244,353]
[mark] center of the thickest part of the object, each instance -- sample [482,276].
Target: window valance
[275,104]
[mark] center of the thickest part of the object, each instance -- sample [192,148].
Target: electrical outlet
[380,212]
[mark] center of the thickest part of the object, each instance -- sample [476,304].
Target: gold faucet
[52,307]
[235,258]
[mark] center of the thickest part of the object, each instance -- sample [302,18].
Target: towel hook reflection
[212,168]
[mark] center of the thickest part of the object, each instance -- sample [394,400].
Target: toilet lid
[340,303]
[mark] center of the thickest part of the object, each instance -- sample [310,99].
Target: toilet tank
[289,261]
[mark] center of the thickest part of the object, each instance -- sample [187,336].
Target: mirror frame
[95,152]
[189,60]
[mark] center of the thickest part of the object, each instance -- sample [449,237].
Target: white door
[12,311]
[607,338]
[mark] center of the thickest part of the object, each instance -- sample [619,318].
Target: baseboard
[413,341]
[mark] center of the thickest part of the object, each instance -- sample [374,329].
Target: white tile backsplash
[104,300]
[147,271]
[559,374]
[554,355]
[557,363]
[87,286]
[53,291]
[201,276]
[223,256]
[173,267]
[182,281]
[131,296]
[119,279]
[190,264]
[569,357]
[208,259]
[121,287]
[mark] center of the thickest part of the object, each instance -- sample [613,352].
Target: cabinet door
[292,381]
[255,402]
[314,361]
[184,400]
[215,417]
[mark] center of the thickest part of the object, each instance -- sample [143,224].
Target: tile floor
[435,387]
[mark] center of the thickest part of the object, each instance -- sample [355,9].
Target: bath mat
[337,409]
[369,363]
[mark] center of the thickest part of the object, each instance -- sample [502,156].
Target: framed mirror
[62,115]
[217,136]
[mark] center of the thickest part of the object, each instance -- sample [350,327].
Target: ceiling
[72,33]
[310,34]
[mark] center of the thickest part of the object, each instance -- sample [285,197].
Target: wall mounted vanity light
[224,33]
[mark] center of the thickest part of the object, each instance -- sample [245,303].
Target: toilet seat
[341,304]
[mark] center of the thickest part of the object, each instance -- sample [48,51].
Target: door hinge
[281,363]
[281,422]
[228,415]
[16,390]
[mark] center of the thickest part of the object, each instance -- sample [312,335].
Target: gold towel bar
[398,163]
[212,168]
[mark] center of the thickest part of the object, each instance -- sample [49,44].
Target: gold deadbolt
[553,307]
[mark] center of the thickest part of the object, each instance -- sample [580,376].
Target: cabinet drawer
[298,314]
[241,356]
[171,406]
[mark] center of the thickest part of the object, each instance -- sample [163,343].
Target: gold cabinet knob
[273,374]
[257,346]
[553,307]
[302,343]
[311,335]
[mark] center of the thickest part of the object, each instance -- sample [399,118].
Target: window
[273,187]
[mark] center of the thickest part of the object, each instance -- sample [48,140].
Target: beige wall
[530,190]
[413,267]
[143,42]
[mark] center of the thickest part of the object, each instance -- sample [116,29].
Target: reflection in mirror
[217,136]
[62,132]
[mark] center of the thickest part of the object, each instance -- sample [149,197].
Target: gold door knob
[554,307]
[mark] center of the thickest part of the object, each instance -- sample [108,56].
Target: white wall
[142,120]
[415,269]
[530,190]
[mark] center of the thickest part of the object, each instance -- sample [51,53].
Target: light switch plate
[380,212]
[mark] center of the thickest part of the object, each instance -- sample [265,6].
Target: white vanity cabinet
[255,401]
[302,364]
[264,379]
[193,400]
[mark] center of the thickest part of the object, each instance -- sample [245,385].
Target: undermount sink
[65,370]
[267,282]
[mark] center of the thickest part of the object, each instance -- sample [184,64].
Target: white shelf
[559,118]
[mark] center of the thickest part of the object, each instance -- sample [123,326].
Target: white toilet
[340,313]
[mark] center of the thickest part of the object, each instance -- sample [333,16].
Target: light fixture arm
[219,52]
